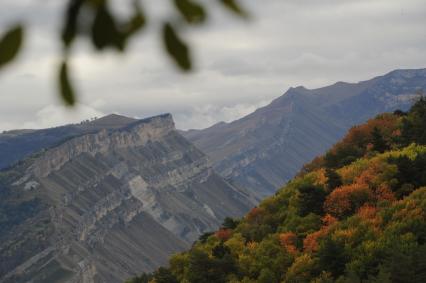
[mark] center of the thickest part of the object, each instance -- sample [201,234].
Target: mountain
[17,144]
[355,214]
[114,198]
[263,150]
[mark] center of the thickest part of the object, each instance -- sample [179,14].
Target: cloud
[56,115]
[239,65]
[200,116]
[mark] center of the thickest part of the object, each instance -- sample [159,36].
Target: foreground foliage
[356,214]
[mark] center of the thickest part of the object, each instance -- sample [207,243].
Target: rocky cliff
[18,144]
[262,151]
[108,204]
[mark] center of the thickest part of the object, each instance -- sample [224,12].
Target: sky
[239,65]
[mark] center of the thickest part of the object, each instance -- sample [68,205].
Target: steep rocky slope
[103,206]
[263,150]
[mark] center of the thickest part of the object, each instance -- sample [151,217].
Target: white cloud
[56,115]
[205,115]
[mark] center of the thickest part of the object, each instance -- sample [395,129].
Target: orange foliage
[255,214]
[367,212]
[367,177]
[288,241]
[383,192]
[315,164]
[376,167]
[328,220]
[360,136]
[347,199]
[223,234]
[387,123]
[310,243]
[396,133]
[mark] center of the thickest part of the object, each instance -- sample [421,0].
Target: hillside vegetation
[356,214]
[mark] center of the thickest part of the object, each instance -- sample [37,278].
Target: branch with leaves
[94,20]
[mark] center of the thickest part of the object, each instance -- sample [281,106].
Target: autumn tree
[333,179]
[164,275]
[414,124]
[303,269]
[379,143]
[229,223]
[311,199]
[201,268]
[223,234]
[346,200]
[411,174]
[289,241]
[332,256]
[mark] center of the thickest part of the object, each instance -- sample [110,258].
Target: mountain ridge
[300,125]
[18,144]
[102,206]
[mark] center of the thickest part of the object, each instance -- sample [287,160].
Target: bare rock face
[262,151]
[109,204]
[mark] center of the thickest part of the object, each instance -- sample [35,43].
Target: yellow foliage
[345,234]
[251,245]
[301,269]
[321,179]
[236,244]
[352,171]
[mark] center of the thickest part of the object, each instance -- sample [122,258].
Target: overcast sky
[240,65]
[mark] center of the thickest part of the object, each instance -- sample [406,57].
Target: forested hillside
[356,214]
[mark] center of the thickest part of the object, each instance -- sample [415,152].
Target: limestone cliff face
[136,134]
[106,205]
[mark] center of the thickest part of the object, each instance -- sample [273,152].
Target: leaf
[104,30]
[192,11]
[10,44]
[71,19]
[136,22]
[176,48]
[234,7]
[66,89]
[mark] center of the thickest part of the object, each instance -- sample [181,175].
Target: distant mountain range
[101,201]
[107,200]
[263,150]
